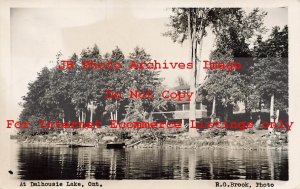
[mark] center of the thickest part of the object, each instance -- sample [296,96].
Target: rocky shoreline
[232,140]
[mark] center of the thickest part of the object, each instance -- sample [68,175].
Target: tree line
[79,95]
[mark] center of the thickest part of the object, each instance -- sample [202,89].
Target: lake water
[40,162]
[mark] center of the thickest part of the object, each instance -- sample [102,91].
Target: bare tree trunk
[91,118]
[213,111]
[277,116]
[271,113]
[79,116]
[83,116]
[64,129]
[193,50]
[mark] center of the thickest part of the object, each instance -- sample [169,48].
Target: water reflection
[37,162]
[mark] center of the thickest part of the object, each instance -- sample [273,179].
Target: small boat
[78,145]
[115,145]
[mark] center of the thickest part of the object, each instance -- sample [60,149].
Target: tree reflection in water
[38,162]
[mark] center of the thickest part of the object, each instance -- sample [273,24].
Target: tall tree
[271,70]
[35,105]
[143,80]
[59,91]
[191,24]
[228,87]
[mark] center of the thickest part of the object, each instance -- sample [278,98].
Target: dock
[115,145]
[79,145]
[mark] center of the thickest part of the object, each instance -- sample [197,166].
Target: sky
[37,34]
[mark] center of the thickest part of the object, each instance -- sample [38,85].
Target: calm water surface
[40,162]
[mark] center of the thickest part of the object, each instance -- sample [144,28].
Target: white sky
[37,34]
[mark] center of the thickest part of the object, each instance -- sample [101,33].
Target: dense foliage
[79,94]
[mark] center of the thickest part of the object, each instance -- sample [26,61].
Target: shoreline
[231,140]
[151,146]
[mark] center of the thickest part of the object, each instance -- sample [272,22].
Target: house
[181,111]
